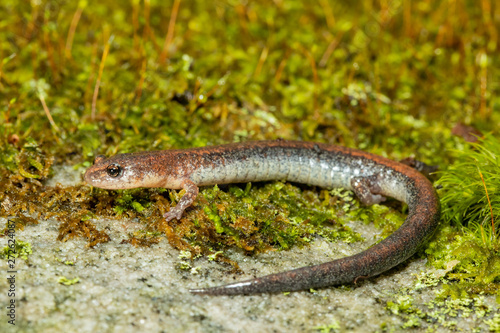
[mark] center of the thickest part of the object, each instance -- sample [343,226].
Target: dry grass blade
[98,81]
[170,32]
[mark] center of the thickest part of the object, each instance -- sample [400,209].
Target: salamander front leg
[185,202]
[367,189]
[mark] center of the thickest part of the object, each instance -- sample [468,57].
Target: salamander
[370,177]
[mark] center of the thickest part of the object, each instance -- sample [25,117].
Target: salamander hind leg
[367,189]
[186,201]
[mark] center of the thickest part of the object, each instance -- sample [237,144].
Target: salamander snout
[105,173]
[121,171]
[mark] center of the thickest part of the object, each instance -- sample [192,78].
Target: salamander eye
[114,170]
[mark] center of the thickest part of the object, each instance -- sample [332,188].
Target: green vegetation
[68,282]
[19,250]
[471,191]
[275,214]
[440,313]
[391,77]
[470,236]
[331,328]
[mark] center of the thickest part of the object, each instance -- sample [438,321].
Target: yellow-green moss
[19,250]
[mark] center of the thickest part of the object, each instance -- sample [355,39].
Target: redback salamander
[371,177]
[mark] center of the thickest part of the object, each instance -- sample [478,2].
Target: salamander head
[121,171]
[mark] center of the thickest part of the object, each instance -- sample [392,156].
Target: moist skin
[371,177]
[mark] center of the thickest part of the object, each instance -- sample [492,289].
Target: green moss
[469,236]
[382,216]
[403,304]
[494,323]
[257,218]
[131,199]
[330,328]
[66,262]
[68,282]
[471,191]
[20,250]
[440,313]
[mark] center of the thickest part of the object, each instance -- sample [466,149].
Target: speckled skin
[370,176]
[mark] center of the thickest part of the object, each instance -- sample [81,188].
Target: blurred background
[389,76]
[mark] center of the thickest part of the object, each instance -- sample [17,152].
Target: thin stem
[101,70]
[170,32]
[71,32]
[489,203]
[47,112]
